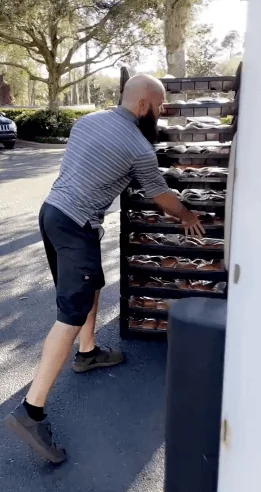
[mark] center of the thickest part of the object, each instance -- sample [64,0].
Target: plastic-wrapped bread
[135,215]
[220,287]
[135,302]
[149,303]
[162,324]
[162,305]
[210,242]
[149,324]
[201,285]
[154,282]
[134,282]
[142,239]
[182,284]
[187,264]
[169,219]
[146,260]
[145,324]
[150,263]
[135,323]
[152,219]
[169,262]
[210,265]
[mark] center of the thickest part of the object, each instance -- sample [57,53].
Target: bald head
[144,95]
[142,87]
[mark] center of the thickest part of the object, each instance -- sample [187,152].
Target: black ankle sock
[35,413]
[92,353]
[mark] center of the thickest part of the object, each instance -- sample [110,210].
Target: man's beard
[148,126]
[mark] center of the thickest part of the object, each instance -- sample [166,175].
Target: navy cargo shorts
[74,256]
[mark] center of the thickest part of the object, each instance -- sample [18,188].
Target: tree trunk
[177,16]
[53,92]
[75,94]
[29,90]
[86,84]
[33,93]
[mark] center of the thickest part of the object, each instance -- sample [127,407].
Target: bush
[13,114]
[51,140]
[43,125]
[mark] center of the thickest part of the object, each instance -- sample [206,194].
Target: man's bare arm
[170,204]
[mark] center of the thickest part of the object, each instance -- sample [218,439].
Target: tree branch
[17,41]
[37,60]
[94,29]
[92,60]
[26,69]
[85,76]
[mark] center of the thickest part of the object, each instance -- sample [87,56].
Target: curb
[37,145]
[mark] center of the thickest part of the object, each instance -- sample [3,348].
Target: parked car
[8,132]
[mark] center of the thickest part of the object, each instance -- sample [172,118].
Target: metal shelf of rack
[168,157]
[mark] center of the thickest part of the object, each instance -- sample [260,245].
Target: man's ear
[143,107]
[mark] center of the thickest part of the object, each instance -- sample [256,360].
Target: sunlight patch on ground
[151,477]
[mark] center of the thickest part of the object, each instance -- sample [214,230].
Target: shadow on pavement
[32,163]
[110,421]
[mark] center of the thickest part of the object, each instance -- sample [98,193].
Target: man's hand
[192,225]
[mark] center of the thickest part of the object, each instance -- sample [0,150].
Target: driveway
[111,421]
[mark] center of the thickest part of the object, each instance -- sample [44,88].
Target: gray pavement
[111,421]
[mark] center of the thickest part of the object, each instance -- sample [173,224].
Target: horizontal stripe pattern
[104,152]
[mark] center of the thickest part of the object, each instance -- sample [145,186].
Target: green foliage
[203,50]
[14,114]
[229,67]
[43,124]
[51,33]
[231,41]
[51,140]
[105,91]
[227,120]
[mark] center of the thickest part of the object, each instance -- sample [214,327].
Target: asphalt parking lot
[111,422]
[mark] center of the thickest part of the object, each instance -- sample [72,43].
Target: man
[105,150]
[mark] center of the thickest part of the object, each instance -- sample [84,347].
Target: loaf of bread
[135,323]
[135,302]
[162,305]
[187,264]
[162,324]
[149,324]
[211,265]
[135,282]
[135,215]
[151,218]
[169,262]
[169,219]
[201,285]
[142,238]
[149,303]
[154,283]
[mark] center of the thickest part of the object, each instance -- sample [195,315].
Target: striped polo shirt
[104,152]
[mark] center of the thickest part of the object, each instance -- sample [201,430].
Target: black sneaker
[37,434]
[101,358]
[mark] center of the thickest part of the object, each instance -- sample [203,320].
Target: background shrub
[42,125]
